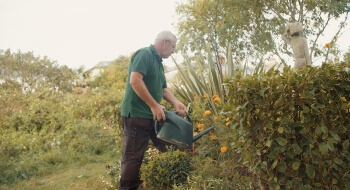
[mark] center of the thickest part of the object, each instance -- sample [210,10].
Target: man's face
[168,48]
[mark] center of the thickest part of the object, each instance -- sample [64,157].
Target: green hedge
[292,128]
[164,170]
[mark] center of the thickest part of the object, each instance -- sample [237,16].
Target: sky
[84,32]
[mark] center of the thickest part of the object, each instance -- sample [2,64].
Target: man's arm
[169,97]
[141,90]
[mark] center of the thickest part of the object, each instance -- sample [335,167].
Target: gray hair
[165,35]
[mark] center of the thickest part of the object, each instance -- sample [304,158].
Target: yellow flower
[216,118]
[207,112]
[205,96]
[200,129]
[213,137]
[215,96]
[223,149]
[328,45]
[217,100]
[228,123]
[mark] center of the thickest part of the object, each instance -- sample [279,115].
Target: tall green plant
[206,79]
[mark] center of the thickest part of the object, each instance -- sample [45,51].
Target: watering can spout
[199,135]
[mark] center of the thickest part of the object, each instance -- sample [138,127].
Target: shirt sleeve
[140,62]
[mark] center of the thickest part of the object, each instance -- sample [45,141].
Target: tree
[252,28]
[114,76]
[32,73]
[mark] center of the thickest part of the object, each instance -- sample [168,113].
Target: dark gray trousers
[136,134]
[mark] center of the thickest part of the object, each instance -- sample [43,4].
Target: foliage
[215,164]
[292,128]
[46,129]
[114,76]
[42,134]
[167,169]
[32,72]
[253,28]
[206,80]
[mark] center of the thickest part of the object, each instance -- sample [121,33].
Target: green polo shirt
[149,63]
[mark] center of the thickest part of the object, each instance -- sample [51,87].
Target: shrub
[292,128]
[166,170]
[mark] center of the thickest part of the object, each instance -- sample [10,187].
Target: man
[146,86]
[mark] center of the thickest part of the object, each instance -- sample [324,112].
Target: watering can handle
[187,116]
[156,125]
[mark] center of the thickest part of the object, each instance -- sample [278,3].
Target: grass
[89,176]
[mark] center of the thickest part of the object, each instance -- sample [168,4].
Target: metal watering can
[177,130]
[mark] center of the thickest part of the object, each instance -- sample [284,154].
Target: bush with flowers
[292,127]
[216,165]
[276,130]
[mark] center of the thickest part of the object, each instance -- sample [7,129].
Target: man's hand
[158,112]
[181,108]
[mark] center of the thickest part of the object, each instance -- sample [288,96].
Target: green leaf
[320,106]
[318,131]
[323,147]
[310,170]
[280,130]
[346,144]
[268,143]
[281,141]
[324,129]
[295,165]
[274,164]
[279,102]
[307,187]
[297,149]
[347,186]
[330,146]
[282,167]
[306,109]
[338,161]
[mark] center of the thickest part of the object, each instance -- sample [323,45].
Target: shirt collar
[154,51]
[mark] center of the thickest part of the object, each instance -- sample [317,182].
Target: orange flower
[215,96]
[328,45]
[217,100]
[216,118]
[195,133]
[223,149]
[205,96]
[213,137]
[207,112]
[200,129]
